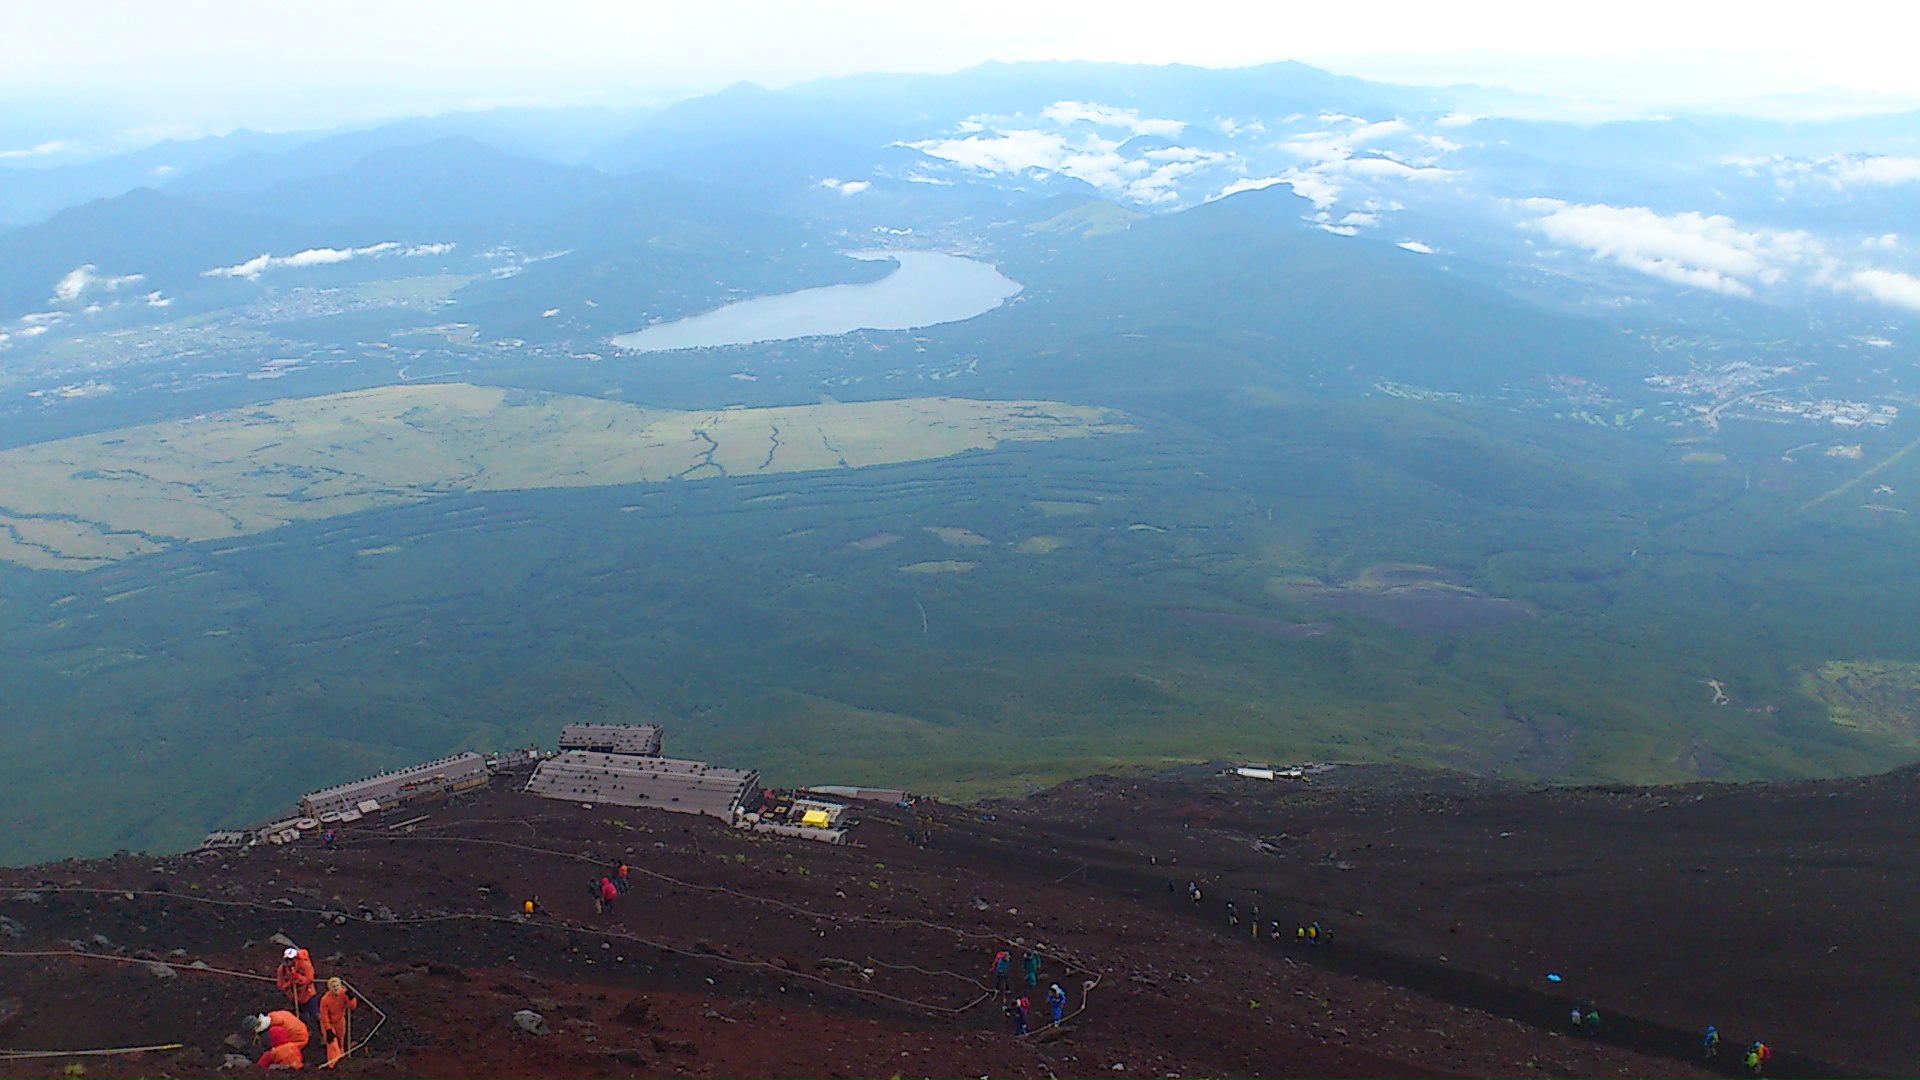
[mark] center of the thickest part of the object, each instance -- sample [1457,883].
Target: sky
[191,67]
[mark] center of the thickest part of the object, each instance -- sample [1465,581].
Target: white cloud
[1360,218]
[1876,170]
[1374,132]
[1457,120]
[1702,251]
[55,147]
[1889,287]
[32,331]
[81,278]
[1384,168]
[845,187]
[43,318]
[1086,157]
[1249,183]
[1232,128]
[1415,246]
[1068,112]
[1885,241]
[1338,230]
[260,264]
[154,299]
[1323,191]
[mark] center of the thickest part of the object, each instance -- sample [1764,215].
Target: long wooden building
[686,787]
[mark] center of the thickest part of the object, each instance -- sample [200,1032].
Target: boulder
[162,971]
[531,1022]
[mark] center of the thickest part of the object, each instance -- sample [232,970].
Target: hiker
[1299,935]
[1710,1043]
[1254,918]
[1002,965]
[1193,891]
[1276,930]
[1233,917]
[1030,967]
[1753,1059]
[286,1039]
[1056,1001]
[1018,1010]
[1313,933]
[295,979]
[532,907]
[1759,1056]
[1577,1017]
[328,839]
[1593,1021]
[609,892]
[334,1006]
[620,878]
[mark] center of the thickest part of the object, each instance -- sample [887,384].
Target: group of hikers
[1018,1008]
[609,887]
[1309,933]
[1758,1053]
[1584,1019]
[288,1031]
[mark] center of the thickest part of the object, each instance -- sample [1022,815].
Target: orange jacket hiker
[334,1006]
[295,976]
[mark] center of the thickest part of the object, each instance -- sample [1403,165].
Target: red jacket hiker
[286,1037]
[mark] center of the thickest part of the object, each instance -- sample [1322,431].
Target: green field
[760,620]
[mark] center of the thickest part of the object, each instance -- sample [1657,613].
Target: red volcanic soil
[1776,912]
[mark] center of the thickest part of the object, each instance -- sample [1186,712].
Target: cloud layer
[260,264]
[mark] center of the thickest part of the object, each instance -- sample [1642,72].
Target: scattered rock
[630,1057]
[236,1061]
[162,971]
[665,1045]
[198,965]
[28,897]
[236,1041]
[102,941]
[13,928]
[531,1022]
[76,945]
[178,954]
[282,940]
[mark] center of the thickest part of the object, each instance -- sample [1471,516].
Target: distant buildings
[642,740]
[687,787]
[461,772]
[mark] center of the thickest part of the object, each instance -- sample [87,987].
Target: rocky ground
[1776,912]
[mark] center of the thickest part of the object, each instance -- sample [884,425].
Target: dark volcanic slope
[737,955]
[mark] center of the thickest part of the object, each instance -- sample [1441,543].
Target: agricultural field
[88,501]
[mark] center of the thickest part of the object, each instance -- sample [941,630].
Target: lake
[927,289]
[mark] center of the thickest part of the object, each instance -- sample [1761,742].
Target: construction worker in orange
[335,1004]
[286,1039]
[295,979]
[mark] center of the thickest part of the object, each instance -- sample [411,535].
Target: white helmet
[259,1023]
[291,953]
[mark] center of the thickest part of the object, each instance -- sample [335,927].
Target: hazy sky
[187,67]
